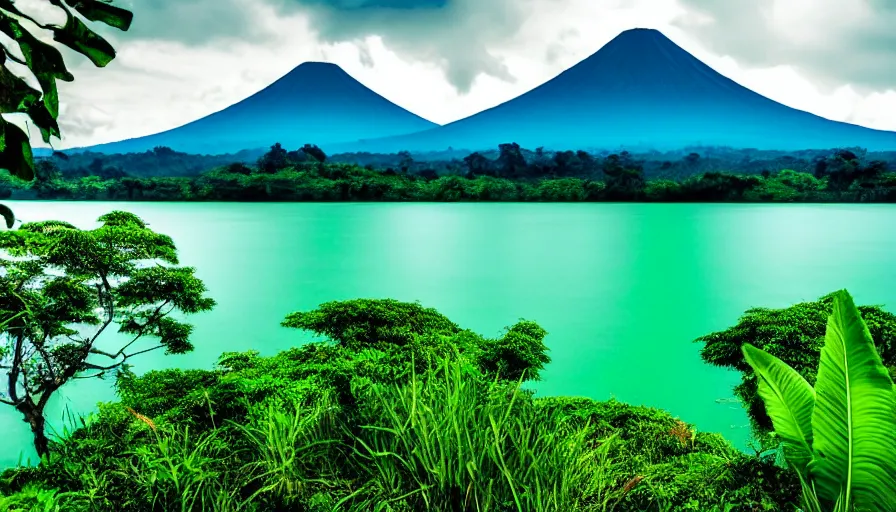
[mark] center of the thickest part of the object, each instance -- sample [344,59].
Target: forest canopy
[308,174]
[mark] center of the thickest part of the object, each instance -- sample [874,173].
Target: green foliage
[790,401]
[518,355]
[32,498]
[839,436]
[309,180]
[446,442]
[292,449]
[872,171]
[47,65]
[673,465]
[795,335]
[180,472]
[58,279]
[402,410]
[367,322]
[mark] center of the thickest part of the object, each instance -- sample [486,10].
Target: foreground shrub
[795,335]
[361,323]
[403,410]
[448,441]
[839,435]
[671,464]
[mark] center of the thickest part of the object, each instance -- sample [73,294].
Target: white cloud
[831,42]
[155,85]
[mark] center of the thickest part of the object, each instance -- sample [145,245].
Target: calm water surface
[622,289]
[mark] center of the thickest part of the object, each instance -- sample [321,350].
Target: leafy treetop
[364,322]
[65,286]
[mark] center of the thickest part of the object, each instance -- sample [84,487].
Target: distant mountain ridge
[316,103]
[640,91]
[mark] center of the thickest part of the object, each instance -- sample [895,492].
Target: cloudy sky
[447,59]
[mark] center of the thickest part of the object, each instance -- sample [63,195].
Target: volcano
[639,91]
[315,103]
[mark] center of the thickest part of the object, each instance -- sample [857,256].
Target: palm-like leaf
[854,420]
[789,400]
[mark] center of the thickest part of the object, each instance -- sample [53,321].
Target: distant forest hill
[510,174]
[508,160]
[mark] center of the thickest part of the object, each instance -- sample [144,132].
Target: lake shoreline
[351,183]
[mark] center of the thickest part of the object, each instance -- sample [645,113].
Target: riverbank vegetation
[398,408]
[401,410]
[576,162]
[307,175]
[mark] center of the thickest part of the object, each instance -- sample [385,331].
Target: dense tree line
[308,174]
[164,162]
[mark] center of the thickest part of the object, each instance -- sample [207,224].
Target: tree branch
[142,352]
[46,394]
[80,341]
[137,337]
[44,354]
[16,367]
[91,366]
[103,369]
[104,296]
[99,352]
[100,374]
[142,327]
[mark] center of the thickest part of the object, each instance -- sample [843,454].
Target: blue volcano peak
[639,91]
[316,103]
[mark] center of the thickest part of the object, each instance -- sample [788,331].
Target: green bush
[400,410]
[795,335]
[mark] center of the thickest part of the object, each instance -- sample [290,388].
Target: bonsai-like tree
[62,287]
[46,65]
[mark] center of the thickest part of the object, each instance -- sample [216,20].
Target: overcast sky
[447,59]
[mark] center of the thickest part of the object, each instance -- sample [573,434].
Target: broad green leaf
[44,61]
[43,119]
[103,12]
[15,93]
[855,416]
[8,216]
[78,37]
[17,96]
[15,151]
[789,401]
[51,94]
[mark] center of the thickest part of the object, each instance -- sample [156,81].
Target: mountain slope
[640,90]
[316,103]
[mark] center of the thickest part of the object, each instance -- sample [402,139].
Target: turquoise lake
[622,289]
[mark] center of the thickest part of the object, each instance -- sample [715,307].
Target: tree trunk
[35,418]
